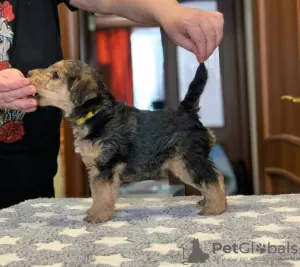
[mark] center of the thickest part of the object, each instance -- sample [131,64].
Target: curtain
[114,55]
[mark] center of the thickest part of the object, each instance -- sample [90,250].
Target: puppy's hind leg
[214,201]
[201,175]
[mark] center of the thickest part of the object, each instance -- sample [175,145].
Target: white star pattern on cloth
[283,209]
[6,259]
[271,240]
[77,207]
[77,218]
[169,264]
[10,210]
[241,256]
[115,224]
[235,200]
[209,221]
[33,225]
[123,205]
[160,229]
[294,263]
[39,205]
[74,232]
[44,214]
[163,248]
[162,218]
[3,220]
[271,200]
[273,228]
[251,214]
[52,265]
[185,202]
[206,236]
[54,246]
[152,199]
[114,260]
[7,240]
[292,219]
[113,241]
[235,197]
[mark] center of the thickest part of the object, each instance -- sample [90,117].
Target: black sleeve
[72,8]
[67,3]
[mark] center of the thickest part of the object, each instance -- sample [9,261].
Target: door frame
[259,41]
[72,33]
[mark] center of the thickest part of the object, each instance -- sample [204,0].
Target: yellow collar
[86,117]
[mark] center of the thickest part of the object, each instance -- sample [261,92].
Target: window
[147,67]
[211,102]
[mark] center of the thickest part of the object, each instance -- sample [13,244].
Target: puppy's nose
[29,74]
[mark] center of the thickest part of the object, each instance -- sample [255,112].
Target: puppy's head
[67,85]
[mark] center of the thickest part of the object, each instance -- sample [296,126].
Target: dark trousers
[28,167]
[26,176]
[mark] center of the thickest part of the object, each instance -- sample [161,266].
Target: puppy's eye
[55,75]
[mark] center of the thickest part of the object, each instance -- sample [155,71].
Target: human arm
[196,30]
[15,90]
[140,11]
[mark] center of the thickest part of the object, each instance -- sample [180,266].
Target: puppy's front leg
[105,162]
[104,186]
[104,198]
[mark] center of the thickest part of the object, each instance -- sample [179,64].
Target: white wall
[147,67]
[211,101]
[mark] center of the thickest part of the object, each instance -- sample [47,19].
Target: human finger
[21,104]
[210,35]
[218,16]
[28,110]
[13,95]
[218,26]
[187,43]
[7,85]
[197,36]
[11,73]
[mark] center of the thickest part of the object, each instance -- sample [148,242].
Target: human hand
[198,31]
[15,91]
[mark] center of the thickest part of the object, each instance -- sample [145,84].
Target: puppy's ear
[83,89]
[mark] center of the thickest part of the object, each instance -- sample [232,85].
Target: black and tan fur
[123,144]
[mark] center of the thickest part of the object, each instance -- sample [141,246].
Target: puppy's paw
[212,210]
[88,211]
[98,216]
[201,202]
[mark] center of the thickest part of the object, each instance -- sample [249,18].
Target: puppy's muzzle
[32,75]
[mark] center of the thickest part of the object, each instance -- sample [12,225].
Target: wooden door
[277,35]
[72,46]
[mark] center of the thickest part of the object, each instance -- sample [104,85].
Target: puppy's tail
[191,101]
